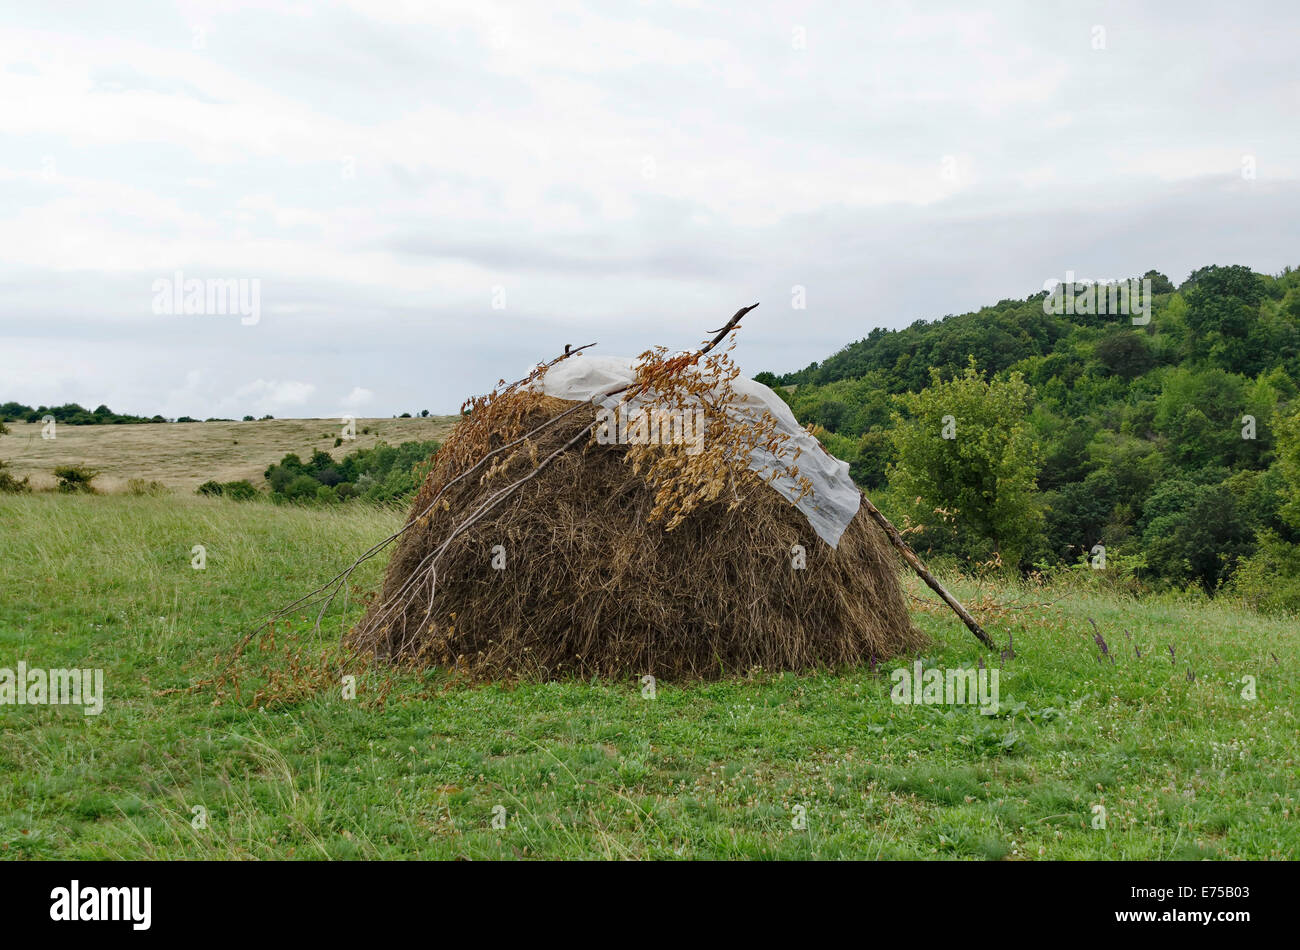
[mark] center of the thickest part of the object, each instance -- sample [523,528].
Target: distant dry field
[184,455]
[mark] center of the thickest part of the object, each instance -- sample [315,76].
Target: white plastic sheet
[834,499]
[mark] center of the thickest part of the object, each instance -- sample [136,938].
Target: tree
[1222,309]
[831,414]
[1194,533]
[1270,578]
[1289,464]
[1125,353]
[1160,284]
[965,448]
[1199,413]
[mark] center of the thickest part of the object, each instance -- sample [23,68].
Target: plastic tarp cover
[834,499]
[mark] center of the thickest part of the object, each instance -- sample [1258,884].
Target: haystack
[568,575]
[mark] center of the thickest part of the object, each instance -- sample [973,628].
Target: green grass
[714,770]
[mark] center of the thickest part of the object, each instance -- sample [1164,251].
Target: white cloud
[270,396]
[382,165]
[359,397]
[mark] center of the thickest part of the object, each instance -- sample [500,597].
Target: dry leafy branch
[687,474]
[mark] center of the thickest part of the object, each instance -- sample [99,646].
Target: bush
[381,474]
[10,485]
[242,490]
[70,414]
[75,478]
[301,488]
[1269,580]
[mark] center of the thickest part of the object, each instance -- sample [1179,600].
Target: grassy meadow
[183,455]
[418,764]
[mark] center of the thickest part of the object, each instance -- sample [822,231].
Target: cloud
[269,396]
[357,398]
[628,176]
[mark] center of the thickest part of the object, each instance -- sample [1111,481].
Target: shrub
[1269,580]
[70,414]
[381,474]
[75,478]
[301,488]
[242,490]
[10,485]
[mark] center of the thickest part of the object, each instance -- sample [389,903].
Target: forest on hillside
[1164,449]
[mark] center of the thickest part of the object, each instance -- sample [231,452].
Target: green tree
[1125,353]
[1270,578]
[1194,533]
[1222,309]
[965,448]
[1160,284]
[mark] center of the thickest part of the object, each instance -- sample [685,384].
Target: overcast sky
[436,195]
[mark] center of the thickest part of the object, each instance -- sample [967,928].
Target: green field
[1183,767]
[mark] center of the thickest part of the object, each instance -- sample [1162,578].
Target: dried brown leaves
[686,475]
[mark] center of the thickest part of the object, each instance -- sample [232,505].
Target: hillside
[183,455]
[1174,443]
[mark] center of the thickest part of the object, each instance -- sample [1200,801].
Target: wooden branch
[730,325]
[569,350]
[914,562]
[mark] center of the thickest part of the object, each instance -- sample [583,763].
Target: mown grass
[1184,767]
[183,455]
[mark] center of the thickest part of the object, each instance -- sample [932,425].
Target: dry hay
[593,587]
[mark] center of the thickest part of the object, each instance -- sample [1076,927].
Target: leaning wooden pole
[891,532]
[914,562]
